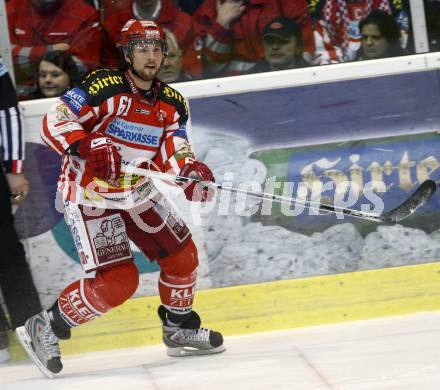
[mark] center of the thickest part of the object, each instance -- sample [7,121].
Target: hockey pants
[103,247]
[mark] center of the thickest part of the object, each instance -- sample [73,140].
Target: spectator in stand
[283,47]
[380,36]
[163,12]
[337,34]
[109,7]
[432,13]
[172,67]
[231,30]
[19,293]
[189,6]
[40,26]
[57,73]
[95,4]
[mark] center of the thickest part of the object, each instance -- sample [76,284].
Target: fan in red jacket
[232,31]
[39,26]
[164,12]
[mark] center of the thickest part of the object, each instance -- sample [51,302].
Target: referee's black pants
[17,286]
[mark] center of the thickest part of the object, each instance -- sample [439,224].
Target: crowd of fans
[207,38]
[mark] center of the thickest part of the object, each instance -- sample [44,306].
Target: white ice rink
[393,353]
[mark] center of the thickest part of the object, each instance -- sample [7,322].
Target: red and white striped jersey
[146,127]
[337,34]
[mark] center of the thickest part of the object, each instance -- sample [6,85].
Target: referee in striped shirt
[19,293]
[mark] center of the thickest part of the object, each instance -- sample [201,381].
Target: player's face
[172,65]
[280,52]
[374,44]
[53,81]
[147,59]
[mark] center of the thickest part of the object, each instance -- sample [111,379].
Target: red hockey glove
[103,157]
[193,191]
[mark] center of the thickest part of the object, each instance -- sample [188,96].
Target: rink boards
[338,117]
[271,306]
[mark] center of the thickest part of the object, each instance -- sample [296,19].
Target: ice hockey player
[114,119]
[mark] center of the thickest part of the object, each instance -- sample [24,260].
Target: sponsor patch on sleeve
[181,133]
[75,99]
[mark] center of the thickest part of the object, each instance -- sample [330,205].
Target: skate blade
[26,342]
[186,351]
[4,356]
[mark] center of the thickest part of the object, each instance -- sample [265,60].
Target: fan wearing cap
[232,29]
[116,119]
[283,47]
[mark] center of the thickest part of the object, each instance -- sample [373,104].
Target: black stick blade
[418,199]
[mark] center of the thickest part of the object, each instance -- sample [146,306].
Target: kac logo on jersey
[135,132]
[75,99]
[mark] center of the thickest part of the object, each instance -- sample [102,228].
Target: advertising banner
[376,174]
[366,144]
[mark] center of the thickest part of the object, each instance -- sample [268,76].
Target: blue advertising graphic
[326,113]
[390,167]
[402,163]
[378,129]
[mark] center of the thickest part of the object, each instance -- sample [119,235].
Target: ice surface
[401,353]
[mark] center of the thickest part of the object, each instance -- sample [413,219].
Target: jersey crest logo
[161,115]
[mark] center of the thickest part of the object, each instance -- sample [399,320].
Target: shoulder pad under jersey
[171,96]
[102,84]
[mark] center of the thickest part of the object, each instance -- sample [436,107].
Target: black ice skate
[41,343]
[189,338]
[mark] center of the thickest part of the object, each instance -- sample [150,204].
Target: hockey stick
[418,199]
